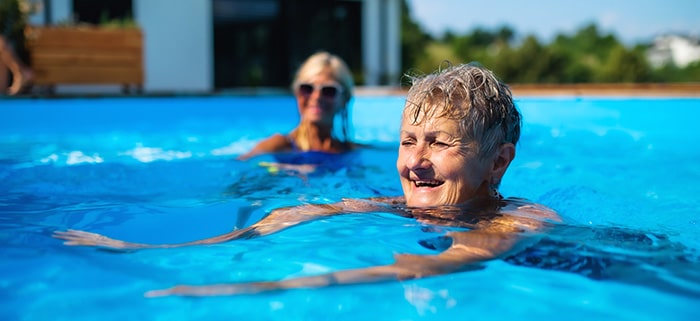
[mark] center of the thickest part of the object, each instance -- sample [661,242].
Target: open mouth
[427,183]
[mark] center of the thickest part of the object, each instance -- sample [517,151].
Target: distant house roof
[678,50]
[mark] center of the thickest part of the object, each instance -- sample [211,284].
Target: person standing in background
[13,56]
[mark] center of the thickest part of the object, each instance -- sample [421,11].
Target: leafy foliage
[414,40]
[13,19]
[587,56]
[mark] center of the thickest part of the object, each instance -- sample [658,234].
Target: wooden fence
[86,55]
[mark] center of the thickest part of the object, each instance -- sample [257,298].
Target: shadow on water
[616,254]
[601,253]
[609,254]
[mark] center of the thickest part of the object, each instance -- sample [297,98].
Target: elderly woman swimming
[459,129]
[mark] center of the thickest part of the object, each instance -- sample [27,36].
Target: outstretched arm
[467,250]
[271,144]
[277,220]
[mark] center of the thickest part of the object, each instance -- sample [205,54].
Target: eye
[439,144]
[306,89]
[329,91]
[408,142]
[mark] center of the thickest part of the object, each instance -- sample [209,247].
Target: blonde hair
[325,62]
[472,95]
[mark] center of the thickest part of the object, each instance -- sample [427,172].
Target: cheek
[399,161]
[452,165]
[301,102]
[464,178]
[474,176]
[402,162]
[401,168]
[457,184]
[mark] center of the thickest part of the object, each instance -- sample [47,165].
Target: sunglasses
[327,91]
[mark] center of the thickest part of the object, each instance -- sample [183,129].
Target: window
[101,11]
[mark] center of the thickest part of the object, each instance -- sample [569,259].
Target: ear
[504,155]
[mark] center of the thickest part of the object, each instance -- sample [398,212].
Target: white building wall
[393,43]
[678,50]
[178,38]
[178,45]
[371,41]
[684,51]
[381,41]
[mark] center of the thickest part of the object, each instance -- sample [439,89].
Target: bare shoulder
[274,143]
[522,214]
[525,208]
[539,212]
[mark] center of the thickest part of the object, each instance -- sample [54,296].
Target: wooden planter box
[86,55]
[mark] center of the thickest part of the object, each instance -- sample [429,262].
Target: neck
[316,129]
[311,136]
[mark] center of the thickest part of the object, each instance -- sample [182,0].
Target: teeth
[430,183]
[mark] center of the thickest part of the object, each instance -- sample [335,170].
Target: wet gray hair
[472,95]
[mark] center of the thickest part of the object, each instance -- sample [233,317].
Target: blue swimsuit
[330,161]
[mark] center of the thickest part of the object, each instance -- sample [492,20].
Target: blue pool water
[623,172]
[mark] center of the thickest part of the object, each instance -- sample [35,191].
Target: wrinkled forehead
[433,117]
[441,124]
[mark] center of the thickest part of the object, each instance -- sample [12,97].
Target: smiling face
[317,106]
[437,165]
[458,133]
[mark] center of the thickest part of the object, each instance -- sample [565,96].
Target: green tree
[672,73]
[12,24]
[414,40]
[472,46]
[536,63]
[623,65]
[586,56]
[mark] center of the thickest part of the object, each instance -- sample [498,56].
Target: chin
[418,202]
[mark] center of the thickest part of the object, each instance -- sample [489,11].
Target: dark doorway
[102,11]
[262,42]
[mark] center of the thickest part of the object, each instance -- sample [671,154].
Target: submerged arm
[468,248]
[277,220]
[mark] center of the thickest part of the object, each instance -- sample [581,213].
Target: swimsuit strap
[292,143]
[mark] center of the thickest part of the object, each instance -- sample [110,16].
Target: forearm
[276,221]
[83,238]
[346,277]
[283,218]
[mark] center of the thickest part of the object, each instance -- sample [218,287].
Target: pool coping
[519,90]
[576,90]
[630,89]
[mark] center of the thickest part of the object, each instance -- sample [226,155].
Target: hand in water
[82,238]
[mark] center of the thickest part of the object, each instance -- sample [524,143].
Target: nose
[418,157]
[316,93]
[316,98]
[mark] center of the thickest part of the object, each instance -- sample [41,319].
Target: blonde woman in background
[323,87]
